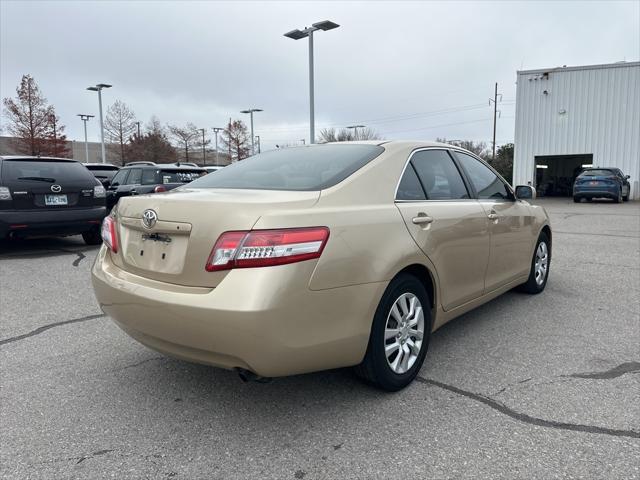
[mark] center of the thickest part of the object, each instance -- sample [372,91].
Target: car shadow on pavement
[41,247]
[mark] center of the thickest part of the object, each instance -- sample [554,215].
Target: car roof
[163,166]
[98,164]
[396,143]
[39,159]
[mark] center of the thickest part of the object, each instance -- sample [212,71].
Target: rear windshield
[48,171]
[314,167]
[597,173]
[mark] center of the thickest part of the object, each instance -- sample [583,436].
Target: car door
[133,181]
[511,223]
[118,180]
[448,225]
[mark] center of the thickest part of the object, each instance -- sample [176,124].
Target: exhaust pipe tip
[248,376]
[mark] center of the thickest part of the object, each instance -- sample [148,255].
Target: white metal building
[569,117]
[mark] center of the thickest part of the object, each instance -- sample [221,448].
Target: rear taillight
[264,248]
[108,232]
[5,193]
[160,188]
[99,191]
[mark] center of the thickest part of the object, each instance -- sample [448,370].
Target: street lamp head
[326,25]
[93,89]
[103,85]
[251,110]
[296,34]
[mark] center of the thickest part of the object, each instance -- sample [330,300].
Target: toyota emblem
[56,188]
[149,218]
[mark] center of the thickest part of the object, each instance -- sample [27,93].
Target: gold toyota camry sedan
[318,257]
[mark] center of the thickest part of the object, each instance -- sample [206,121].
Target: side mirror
[627,177]
[525,192]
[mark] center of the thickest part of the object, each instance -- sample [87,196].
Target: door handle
[422,218]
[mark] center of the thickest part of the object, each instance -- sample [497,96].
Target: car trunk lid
[181,227]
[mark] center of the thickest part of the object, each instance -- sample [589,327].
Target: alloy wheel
[404,333]
[542,262]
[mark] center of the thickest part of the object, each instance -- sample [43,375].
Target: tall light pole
[258,139]
[98,88]
[138,126]
[215,131]
[355,130]
[204,152]
[297,35]
[84,117]
[253,139]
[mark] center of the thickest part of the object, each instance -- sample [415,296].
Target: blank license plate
[55,200]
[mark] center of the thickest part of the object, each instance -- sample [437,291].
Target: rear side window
[179,176]
[149,177]
[314,167]
[45,171]
[409,187]
[486,183]
[439,176]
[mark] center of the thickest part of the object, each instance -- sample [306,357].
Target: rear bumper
[596,192]
[265,320]
[50,222]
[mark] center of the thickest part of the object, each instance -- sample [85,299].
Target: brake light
[108,233]
[160,188]
[264,248]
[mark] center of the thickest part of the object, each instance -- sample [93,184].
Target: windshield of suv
[314,167]
[597,173]
[50,171]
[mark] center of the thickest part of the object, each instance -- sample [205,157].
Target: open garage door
[555,173]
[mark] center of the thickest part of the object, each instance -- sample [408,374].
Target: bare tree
[152,145]
[236,138]
[33,122]
[185,137]
[120,125]
[479,148]
[345,135]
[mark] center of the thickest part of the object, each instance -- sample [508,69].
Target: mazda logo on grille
[56,188]
[149,218]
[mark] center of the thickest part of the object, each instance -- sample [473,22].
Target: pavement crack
[615,372]
[77,261]
[44,328]
[524,418]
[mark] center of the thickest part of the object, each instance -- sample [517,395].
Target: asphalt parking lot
[541,386]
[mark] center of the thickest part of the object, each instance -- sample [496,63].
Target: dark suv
[139,178]
[604,182]
[102,171]
[49,196]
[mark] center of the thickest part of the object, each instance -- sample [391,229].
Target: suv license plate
[55,200]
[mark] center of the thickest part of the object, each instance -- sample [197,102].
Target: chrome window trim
[422,149]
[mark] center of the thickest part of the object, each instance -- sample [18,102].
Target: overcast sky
[406,69]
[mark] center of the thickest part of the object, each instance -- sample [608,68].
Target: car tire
[541,257]
[404,295]
[618,199]
[625,198]
[576,199]
[92,237]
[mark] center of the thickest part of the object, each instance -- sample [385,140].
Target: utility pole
[85,118]
[495,116]
[204,152]
[215,131]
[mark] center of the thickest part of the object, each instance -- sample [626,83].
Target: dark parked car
[602,182]
[49,196]
[138,179]
[103,171]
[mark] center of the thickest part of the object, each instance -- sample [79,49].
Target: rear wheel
[540,263]
[92,237]
[399,335]
[625,198]
[576,199]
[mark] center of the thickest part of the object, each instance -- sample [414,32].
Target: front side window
[309,168]
[135,177]
[486,183]
[438,175]
[120,178]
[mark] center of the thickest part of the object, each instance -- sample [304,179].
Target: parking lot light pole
[297,35]
[253,138]
[215,131]
[98,88]
[204,152]
[85,118]
[355,130]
